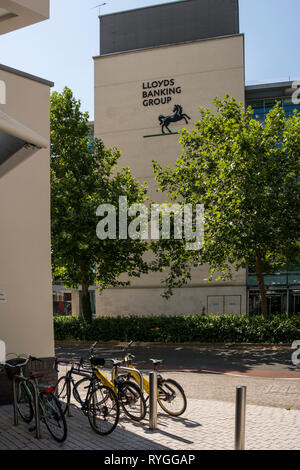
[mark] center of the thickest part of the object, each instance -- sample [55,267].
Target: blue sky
[61,49]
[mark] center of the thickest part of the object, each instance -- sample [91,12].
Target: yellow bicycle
[170,394]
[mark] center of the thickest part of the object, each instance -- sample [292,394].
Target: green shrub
[276,329]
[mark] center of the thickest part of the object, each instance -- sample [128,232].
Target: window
[62,303]
[269,103]
[256,104]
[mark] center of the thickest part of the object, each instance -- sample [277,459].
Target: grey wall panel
[169,23]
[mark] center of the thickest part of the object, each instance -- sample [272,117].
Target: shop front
[283,293]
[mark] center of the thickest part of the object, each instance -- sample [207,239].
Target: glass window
[256,104]
[294,278]
[269,103]
[62,303]
[287,101]
[276,279]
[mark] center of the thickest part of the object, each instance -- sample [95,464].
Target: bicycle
[49,409]
[128,393]
[170,393]
[99,403]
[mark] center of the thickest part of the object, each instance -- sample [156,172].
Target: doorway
[295,302]
[276,302]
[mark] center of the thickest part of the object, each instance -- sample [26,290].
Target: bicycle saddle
[97,361]
[157,361]
[117,362]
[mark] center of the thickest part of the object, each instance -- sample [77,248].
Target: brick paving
[208,422]
[273,392]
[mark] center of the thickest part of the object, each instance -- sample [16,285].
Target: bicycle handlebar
[93,347]
[127,346]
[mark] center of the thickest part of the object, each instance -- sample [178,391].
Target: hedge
[277,329]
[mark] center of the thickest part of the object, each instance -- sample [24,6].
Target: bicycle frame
[100,376]
[104,380]
[111,384]
[137,375]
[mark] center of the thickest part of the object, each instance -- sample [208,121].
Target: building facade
[26,323]
[283,287]
[152,59]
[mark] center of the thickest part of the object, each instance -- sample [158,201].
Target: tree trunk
[86,302]
[261,286]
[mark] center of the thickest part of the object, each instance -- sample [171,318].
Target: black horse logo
[177,116]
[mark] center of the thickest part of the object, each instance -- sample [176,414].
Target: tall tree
[83,176]
[245,173]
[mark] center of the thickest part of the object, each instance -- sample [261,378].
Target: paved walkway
[271,392]
[206,424]
[272,421]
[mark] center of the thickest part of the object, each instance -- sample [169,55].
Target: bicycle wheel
[103,410]
[132,400]
[62,390]
[24,401]
[52,415]
[171,397]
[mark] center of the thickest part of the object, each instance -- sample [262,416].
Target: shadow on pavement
[193,357]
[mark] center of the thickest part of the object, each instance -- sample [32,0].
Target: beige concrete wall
[23,13]
[185,301]
[26,323]
[203,70]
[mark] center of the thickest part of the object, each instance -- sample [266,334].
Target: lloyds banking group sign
[159,92]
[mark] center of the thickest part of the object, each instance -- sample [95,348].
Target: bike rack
[82,374]
[129,369]
[153,401]
[35,403]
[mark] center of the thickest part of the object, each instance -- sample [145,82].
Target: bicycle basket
[11,371]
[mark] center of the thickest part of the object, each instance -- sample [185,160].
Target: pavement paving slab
[206,425]
[272,416]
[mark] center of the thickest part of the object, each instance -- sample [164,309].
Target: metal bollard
[153,400]
[240,418]
[36,409]
[16,420]
[94,409]
[69,412]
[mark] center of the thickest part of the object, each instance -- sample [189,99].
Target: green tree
[245,173]
[83,176]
